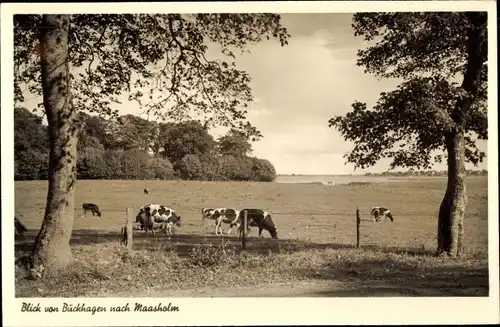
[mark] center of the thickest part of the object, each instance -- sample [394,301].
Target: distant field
[307,212]
[315,255]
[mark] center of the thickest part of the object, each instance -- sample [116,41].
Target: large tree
[85,62]
[439,108]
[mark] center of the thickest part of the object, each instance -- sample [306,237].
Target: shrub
[31,165]
[235,168]
[189,167]
[263,170]
[208,256]
[135,165]
[161,168]
[91,164]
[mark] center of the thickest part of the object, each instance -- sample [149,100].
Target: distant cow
[146,191]
[379,212]
[156,216]
[257,218]
[92,208]
[19,227]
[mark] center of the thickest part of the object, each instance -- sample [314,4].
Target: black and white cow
[19,227]
[257,218]
[219,216]
[92,208]
[157,216]
[207,213]
[379,212]
[146,191]
[227,216]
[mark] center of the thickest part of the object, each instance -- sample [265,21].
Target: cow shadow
[376,277]
[182,244]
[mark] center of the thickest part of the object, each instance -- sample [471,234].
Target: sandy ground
[307,289]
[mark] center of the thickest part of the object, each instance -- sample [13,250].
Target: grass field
[316,227]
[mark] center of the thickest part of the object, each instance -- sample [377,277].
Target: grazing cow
[155,216]
[257,218]
[170,222]
[379,212]
[219,216]
[19,227]
[141,218]
[207,213]
[92,208]
[146,191]
[225,215]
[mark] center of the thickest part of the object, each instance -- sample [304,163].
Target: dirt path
[297,289]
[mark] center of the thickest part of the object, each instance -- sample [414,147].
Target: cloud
[299,88]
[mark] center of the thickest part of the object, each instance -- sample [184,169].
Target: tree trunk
[452,209]
[51,250]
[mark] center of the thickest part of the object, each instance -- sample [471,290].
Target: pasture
[316,227]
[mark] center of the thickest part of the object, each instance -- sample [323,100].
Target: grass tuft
[105,270]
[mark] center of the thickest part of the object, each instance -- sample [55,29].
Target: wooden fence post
[244,231]
[358,222]
[129,229]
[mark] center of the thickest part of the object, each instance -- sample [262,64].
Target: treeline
[133,148]
[483,172]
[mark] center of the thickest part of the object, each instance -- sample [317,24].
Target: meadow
[316,227]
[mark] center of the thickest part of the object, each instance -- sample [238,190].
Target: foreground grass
[108,270]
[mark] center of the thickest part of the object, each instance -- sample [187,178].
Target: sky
[299,87]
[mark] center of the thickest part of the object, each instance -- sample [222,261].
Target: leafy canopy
[160,60]
[185,138]
[234,143]
[428,52]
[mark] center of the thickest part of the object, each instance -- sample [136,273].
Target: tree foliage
[103,154]
[159,60]
[234,143]
[263,170]
[408,125]
[439,107]
[190,167]
[29,132]
[185,138]
[31,146]
[83,63]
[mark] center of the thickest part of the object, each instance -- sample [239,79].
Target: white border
[268,311]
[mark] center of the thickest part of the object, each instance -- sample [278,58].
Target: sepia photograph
[210,152]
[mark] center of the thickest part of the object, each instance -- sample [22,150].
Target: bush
[91,164]
[209,165]
[189,167]
[234,168]
[263,170]
[117,164]
[244,168]
[31,165]
[161,168]
[135,165]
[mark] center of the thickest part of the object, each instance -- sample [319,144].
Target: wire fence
[345,229]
